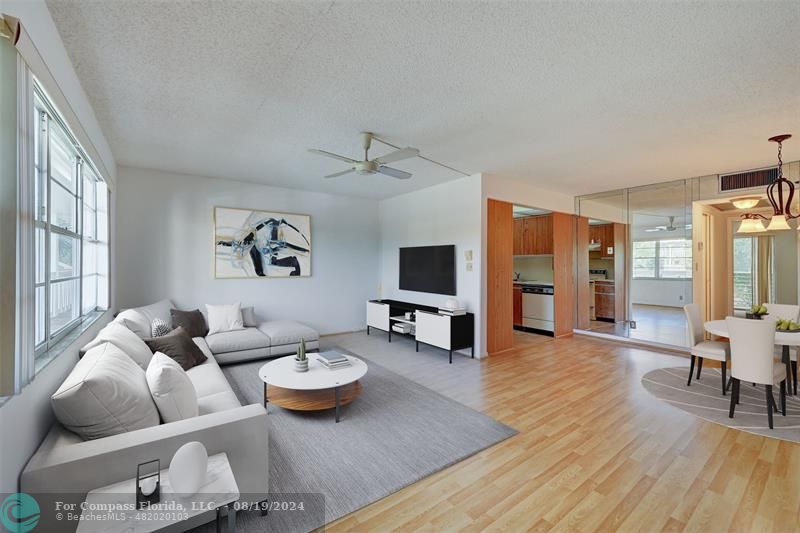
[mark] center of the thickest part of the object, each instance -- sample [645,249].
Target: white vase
[301,366]
[187,470]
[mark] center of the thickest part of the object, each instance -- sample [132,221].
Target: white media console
[431,327]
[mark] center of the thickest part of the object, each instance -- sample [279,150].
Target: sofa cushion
[222,401]
[234,341]
[287,332]
[178,345]
[105,394]
[124,339]
[139,319]
[229,358]
[214,393]
[192,321]
[171,389]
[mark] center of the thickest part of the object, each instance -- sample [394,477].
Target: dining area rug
[704,399]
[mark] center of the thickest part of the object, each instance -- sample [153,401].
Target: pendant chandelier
[780,194]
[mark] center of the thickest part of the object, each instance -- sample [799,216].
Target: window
[664,259]
[71,218]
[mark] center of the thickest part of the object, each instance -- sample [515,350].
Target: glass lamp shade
[778,223]
[745,203]
[751,225]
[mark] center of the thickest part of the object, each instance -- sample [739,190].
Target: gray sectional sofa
[66,467]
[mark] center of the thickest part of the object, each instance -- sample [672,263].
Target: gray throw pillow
[192,321]
[249,317]
[178,345]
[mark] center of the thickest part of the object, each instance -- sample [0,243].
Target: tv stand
[432,328]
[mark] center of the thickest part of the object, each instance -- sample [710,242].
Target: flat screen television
[428,269]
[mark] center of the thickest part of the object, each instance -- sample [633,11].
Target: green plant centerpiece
[757,311]
[787,325]
[300,359]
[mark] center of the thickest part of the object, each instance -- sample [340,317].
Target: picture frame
[261,244]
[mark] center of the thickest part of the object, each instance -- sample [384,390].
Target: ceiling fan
[669,227]
[372,166]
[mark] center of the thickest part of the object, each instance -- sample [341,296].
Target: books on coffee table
[333,360]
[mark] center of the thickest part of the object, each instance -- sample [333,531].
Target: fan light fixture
[748,202]
[780,194]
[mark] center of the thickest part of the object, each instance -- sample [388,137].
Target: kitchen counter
[544,283]
[604,281]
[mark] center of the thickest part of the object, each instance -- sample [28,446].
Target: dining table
[785,339]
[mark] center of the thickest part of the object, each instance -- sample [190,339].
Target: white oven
[537,307]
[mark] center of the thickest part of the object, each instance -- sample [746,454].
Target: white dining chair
[703,349]
[752,345]
[787,312]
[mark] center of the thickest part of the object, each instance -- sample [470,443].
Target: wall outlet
[468,255]
[469,267]
[680,297]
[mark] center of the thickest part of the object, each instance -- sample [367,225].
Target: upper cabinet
[533,235]
[603,234]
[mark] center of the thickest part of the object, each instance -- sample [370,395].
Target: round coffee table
[319,388]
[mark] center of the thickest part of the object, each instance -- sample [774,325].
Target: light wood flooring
[655,323]
[595,452]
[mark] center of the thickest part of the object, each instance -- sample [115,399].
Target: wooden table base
[312,400]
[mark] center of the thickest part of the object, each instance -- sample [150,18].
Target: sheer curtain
[764,269]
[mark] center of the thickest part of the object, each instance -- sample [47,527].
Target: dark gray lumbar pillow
[178,345]
[192,321]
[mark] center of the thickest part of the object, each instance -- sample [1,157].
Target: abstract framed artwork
[261,244]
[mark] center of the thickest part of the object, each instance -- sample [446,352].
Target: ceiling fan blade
[391,157]
[393,172]
[329,154]
[342,173]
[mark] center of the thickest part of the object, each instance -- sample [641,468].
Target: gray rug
[394,434]
[704,399]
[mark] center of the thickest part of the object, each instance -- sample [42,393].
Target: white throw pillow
[140,319]
[105,394]
[171,388]
[124,339]
[249,317]
[224,318]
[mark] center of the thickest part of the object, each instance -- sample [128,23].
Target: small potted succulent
[300,359]
[757,312]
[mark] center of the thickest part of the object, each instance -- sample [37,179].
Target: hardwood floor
[655,323]
[595,452]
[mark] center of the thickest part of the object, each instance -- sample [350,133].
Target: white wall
[670,293]
[165,249]
[449,213]
[26,418]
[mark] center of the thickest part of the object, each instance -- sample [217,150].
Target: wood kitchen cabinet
[519,236]
[533,235]
[603,234]
[604,300]
[517,305]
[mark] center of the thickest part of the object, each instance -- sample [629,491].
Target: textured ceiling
[572,96]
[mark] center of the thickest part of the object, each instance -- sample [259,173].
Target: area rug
[394,434]
[704,399]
